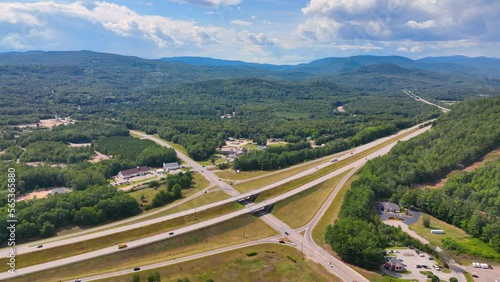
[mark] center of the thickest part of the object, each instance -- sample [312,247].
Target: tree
[177,191]
[426,221]
[453,279]
[154,277]
[212,159]
[435,278]
[136,278]
[185,279]
[48,229]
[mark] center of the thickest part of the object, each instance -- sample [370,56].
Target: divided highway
[236,196]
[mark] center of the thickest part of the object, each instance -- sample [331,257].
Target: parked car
[419,266]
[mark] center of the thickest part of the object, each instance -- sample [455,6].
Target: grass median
[238,230]
[270,263]
[298,210]
[331,214]
[279,175]
[324,171]
[117,238]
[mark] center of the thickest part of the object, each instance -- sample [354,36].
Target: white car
[421,255]
[330,264]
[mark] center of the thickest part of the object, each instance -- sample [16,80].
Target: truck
[122,246]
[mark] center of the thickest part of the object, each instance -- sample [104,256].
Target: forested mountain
[469,201]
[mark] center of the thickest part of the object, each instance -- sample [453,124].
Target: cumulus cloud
[255,38]
[121,20]
[421,20]
[240,22]
[209,3]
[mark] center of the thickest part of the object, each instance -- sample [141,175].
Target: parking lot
[410,259]
[485,275]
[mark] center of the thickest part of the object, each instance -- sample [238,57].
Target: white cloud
[209,3]
[421,20]
[425,24]
[255,38]
[253,17]
[241,23]
[14,41]
[121,20]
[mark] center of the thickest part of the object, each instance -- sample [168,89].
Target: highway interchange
[306,244]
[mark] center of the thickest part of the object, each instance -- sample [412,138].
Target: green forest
[459,137]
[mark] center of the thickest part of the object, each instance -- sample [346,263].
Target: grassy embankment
[242,229]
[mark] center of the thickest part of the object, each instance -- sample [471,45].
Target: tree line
[461,136]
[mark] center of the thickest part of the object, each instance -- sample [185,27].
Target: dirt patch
[35,194]
[341,109]
[47,123]
[493,155]
[99,157]
[75,145]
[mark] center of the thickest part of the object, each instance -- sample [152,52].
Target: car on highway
[330,264]
[281,241]
[334,160]
[122,246]
[40,246]
[137,268]
[171,233]
[286,233]
[78,280]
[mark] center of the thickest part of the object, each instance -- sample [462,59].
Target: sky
[263,31]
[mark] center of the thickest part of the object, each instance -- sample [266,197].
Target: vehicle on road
[78,280]
[286,233]
[419,266]
[334,160]
[40,246]
[137,268]
[281,241]
[431,258]
[330,264]
[122,246]
[421,255]
[171,233]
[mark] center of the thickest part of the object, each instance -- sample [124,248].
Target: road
[190,228]
[409,93]
[107,231]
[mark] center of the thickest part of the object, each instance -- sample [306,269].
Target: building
[132,172]
[171,166]
[389,207]
[226,151]
[394,264]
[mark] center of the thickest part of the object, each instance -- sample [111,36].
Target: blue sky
[266,31]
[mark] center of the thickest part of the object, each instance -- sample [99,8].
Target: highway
[414,96]
[250,208]
[94,233]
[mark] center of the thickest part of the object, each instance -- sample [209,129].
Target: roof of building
[171,165]
[135,170]
[226,149]
[390,206]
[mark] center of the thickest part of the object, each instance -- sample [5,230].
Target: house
[171,166]
[226,151]
[389,207]
[132,172]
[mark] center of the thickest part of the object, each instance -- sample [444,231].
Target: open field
[473,246]
[299,209]
[331,214]
[242,229]
[277,175]
[270,264]
[202,200]
[230,174]
[117,238]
